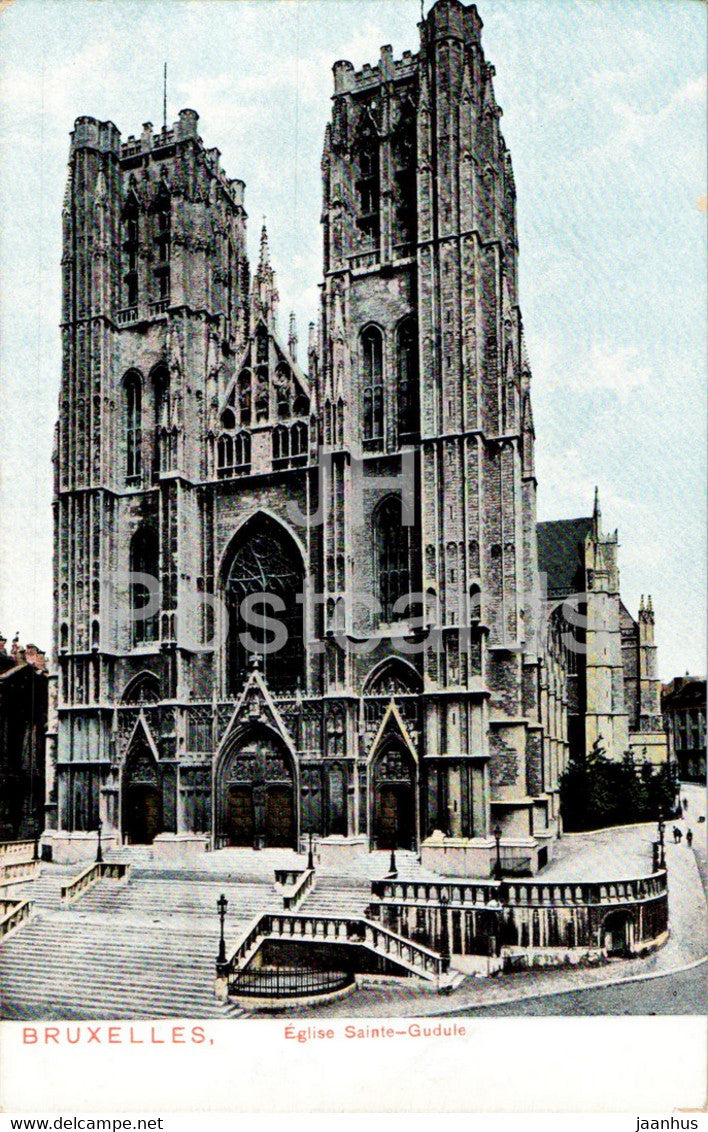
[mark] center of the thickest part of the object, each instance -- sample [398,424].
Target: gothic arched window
[407,384]
[133,387]
[392,542]
[225,457]
[131,240]
[281,446]
[163,239]
[161,386]
[367,185]
[144,591]
[403,150]
[372,385]
[266,563]
[242,453]
[298,443]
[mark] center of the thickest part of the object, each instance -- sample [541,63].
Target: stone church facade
[399,684]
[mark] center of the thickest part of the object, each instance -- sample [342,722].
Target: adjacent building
[683,704]
[612,676]
[24,686]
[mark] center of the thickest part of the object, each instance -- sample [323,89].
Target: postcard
[352,565]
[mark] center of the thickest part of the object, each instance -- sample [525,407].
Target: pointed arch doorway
[256,793]
[142,797]
[394,798]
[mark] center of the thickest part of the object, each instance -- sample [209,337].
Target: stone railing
[415,957]
[519,893]
[128,314]
[567,894]
[363,260]
[14,872]
[456,893]
[113,870]
[12,914]
[288,876]
[17,851]
[299,890]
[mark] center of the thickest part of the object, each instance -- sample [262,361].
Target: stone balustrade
[112,870]
[14,872]
[520,893]
[12,914]
[302,886]
[417,958]
[17,851]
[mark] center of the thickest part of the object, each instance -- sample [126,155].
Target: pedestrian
[685,803]
[689,838]
[680,835]
[675,833]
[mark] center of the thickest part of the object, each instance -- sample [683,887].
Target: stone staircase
[56,967]
[146,949]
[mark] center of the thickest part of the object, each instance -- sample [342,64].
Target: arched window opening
[393,559]
[298,443]
[242,454]
[142,689]
[372,386]
[367,184]
[163,243]
[144,590]
[133,427]
[228,419]
[301,405]
[475,604]
[407,384]
[244,396]
[225,457]
[161,386]
[281,447]
[266,565]
[328,423]
[405,211]
[131,240]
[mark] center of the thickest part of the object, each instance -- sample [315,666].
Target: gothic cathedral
[289,602]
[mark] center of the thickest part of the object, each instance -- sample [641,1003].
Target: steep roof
[559,554]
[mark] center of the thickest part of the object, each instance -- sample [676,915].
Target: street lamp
[444,934]
[498,864]
[222,904]
[99,851]
[661,828]
[393,867]
[310,859]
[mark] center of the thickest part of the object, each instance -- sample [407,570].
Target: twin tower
[297,601]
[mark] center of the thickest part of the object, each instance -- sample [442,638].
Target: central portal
[256,793]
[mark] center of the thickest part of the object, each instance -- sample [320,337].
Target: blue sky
[605,115]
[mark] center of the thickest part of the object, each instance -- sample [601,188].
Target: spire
[292,337]
[264,293]
[597,515]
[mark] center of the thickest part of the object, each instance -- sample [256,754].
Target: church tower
[155,303]
[425,392]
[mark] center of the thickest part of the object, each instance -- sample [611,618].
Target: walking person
[689,838]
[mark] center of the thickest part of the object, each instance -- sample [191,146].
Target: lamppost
[310,858]
[393,867]
[661,828]
[221,904]
[99,850]
[498,864]
[444,934]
